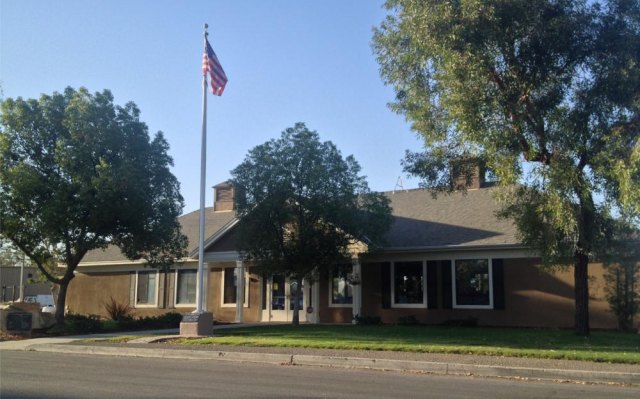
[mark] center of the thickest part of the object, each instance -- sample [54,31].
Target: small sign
[19,321]
[309,309]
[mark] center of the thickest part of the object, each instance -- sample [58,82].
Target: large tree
[79,173]
[545,92]
[301,206]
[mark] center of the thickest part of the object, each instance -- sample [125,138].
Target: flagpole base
[196,325]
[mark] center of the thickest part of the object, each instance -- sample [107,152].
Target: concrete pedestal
[196,325]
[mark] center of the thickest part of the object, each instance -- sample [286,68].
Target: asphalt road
[54,375]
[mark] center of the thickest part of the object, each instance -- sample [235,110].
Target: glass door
[280,299]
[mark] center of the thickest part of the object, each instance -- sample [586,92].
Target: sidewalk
[433,363]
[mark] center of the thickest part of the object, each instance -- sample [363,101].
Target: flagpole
[203,173]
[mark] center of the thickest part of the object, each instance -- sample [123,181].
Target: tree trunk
[581,280]
[295,320]
[61,301]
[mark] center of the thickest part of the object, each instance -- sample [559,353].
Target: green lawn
[601,346]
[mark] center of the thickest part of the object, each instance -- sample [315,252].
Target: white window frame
[175,291]
[246,288]
[339,305]
[157,291]
[424,303]
[453,284]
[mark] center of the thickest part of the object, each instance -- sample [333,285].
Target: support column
[239,291]
[205,289]
[315,293]
[357,288]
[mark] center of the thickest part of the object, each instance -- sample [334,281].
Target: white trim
[246,291]
[356,309]
[339,305]
[454,305]
[240,292]
[157,289]
[424,286]
[315,299]
[175,290]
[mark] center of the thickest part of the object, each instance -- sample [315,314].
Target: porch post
[239,291]
[205,288]
[315,293]
[357,289]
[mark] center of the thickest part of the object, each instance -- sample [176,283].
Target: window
[472,284]
[408,284]
[186,282]
[146,288]
[230,287]
[340,290]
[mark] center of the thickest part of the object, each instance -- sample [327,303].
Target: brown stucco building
[448,260]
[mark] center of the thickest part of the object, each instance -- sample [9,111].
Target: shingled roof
[457,219]
[419,221]
[215,221]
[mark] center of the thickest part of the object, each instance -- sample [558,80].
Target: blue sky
[287,62]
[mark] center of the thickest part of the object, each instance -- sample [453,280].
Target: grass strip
[600,346]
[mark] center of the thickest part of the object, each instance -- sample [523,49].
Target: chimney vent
[467,173]
[223,194]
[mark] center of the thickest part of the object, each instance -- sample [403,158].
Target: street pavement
[27,375]
[439,364]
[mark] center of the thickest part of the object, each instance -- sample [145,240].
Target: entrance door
[280,298]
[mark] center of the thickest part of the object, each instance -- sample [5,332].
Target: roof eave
[446,248]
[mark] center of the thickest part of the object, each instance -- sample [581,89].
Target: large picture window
[186,281]
[472,283]
[146,285]
[408,284]
[341,291]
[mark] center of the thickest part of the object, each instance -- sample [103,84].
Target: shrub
[468,322]
[118,311]
[409,320]
[622,292]
[171,319]
[166,320]
[81,324]
[367,320]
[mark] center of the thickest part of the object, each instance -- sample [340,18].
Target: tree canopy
[301,205]
[79,173]
[545,93]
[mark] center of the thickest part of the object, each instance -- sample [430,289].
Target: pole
[24,258]
[203,173]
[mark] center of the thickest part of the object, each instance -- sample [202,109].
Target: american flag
[211,64]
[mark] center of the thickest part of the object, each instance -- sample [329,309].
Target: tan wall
[251,313]
[88,294]
[533,298]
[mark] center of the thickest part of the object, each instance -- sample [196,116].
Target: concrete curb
[599,377]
